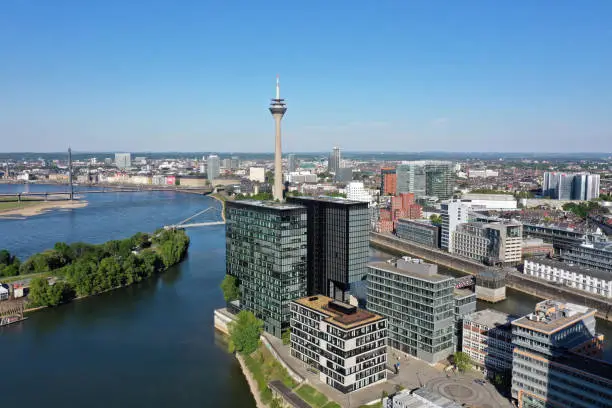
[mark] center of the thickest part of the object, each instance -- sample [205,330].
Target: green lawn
[311,396]
[332,404]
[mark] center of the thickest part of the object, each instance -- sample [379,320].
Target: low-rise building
[586,279]
[421,232]
[419,398]
[487,339]
[347,345]
[491,243]
[536,247]
[491,285]
[490,201]
[4,293]
[593,255]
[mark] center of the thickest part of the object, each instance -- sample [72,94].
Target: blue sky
[153,75]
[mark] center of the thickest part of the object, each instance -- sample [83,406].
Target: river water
[148,345]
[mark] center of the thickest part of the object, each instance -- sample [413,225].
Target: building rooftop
[272,205]
[489,318]
[596,273]
[415,399]
[414,273]
[491,197]
[339,314]
[328,199]
[551,316]
[462,293]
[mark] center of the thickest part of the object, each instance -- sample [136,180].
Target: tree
[435,219]
[286,337]
[244,333]
[462,361]
[9,264]
[229,286]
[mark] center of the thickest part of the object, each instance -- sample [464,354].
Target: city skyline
[473,76]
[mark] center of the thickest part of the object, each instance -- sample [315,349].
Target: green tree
[38,292]
[244,333]
[462,361]
[65,252]
[435,219]
[9,264]
[286,337]
[229,286]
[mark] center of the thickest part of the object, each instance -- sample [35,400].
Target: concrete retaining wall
[391,243]
[546,290]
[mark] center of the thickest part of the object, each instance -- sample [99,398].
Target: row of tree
[9,264]
[84,269]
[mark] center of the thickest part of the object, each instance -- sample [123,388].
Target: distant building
[490,201]
[299,177]
[344,175]
[570,186]
[419,304]
[335,160]
[271,271]
[596,255]
[355,191]
[345,344]
[473,173]
[213,167]
[338,241]
[257,174]
[388,181]
[291,163]
[551,363]
[454,212]
[536,247]
[421,232]
[123,160]
[493,243]
[593,281]
[487,339]
[426,178]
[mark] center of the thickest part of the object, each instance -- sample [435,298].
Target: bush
[244,333]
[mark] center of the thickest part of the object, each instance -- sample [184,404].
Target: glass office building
[338,245]
[432,178]
[266,252]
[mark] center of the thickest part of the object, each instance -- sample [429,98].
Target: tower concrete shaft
[278,109]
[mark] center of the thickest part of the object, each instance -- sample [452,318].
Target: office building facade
[388,181]
[291,163]
[597,255]
[123,160]
[334,161]
[338,244]
[421,232]
[493,243]
[465,303]
[347,345]
[419,305]
[355,191]
[552,360]
[266,248]
[487,339]
[570,186]
[426,178]
[213,167]
[454,212]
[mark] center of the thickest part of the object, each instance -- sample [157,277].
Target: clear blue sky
[191,75]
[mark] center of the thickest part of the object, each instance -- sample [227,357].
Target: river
[148,345]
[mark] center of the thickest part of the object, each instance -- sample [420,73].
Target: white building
[420,398]
[213,167]
[257,174]
[356,192]
[299,177]
[585,279]
[490,201]
[487,339]
[347,345]
[472,173]
[123,160]
[454,212]
[493,243]
[4,293]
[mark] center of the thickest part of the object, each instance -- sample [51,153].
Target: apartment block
[266,248]
[421,232]
[454,212]
[552,361]
[597,255]
[419,304]
[347,345]
[388,181]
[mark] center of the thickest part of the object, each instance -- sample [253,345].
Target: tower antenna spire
[277,86]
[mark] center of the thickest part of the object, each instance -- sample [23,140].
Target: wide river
[149,345]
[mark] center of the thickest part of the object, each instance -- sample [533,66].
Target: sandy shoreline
[41,207]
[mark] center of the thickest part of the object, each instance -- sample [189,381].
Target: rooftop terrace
[339,314]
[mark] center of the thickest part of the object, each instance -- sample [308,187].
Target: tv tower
[278,109]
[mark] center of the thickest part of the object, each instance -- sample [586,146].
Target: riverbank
[32,208]
[221,198]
